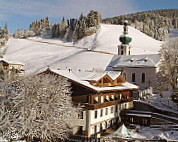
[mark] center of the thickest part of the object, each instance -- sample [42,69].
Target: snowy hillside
[37,53]
[38,56]
[107,39]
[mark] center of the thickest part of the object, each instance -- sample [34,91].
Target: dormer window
[132,59]
[146,59]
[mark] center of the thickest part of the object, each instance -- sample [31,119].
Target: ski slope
[37,54]
[107,39]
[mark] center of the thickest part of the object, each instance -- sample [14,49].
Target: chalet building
[11,65]
[137,69]
[103,96]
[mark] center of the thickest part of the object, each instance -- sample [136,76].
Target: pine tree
[82,29]
[62,27]
[76,33]
[53,31]
[91,22]
[6,32]
[57,31]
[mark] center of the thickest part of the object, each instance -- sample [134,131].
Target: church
[137,69]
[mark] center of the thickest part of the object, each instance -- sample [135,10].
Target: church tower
[125,48]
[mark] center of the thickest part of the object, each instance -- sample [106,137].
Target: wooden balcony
[106,104]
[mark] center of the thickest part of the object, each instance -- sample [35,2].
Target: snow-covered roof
[71,76]
[122,132]
[95,76]
[149,60]
[11,62]
[138,115]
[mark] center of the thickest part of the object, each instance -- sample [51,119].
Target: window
[125,106]
[80,115]
[95,129]
[122,52]
[116,108]
[107,99]
[120,96]
[101,114]
[96,100]
[133,77]
[117,96]
[95,114]
[102,99]
[106,111]
[112,109]
[112,98]
[143,77]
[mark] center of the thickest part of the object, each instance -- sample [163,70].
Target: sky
[19,14]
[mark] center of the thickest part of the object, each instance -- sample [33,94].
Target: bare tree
[167,75]
[38,107]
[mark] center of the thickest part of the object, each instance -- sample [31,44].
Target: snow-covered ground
[37,53]
[37,56]
[149,133]
[163,103]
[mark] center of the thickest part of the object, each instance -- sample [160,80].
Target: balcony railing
[105,104]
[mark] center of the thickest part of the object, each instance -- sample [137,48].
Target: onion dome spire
[125,39]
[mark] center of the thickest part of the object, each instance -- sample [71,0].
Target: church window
[133,77]
[143,77]
[122,52]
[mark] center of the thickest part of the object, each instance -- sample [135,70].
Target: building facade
[137,69]
[12,66]
[102,96]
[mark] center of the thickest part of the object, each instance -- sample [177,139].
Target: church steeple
[124,48]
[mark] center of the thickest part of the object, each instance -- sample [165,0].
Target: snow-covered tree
[168,68]
[62,28]
[6,32]
[4,35]
[23,33]
[53,31]
[37,107]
